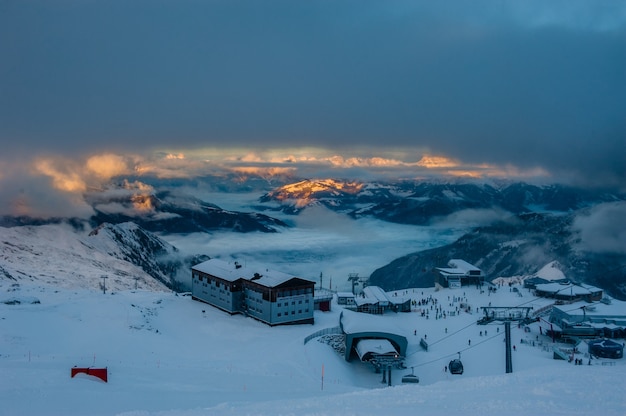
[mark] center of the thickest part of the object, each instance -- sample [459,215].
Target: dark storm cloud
[536,83]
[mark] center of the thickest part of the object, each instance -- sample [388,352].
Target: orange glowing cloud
[142,203]
[66,178]
[340,161]
[107,165]
[465,173]
[142,195]
[264,171]
[433,162]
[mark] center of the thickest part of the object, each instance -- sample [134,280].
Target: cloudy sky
[511,88]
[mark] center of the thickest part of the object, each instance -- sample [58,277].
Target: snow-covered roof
[345,294]
[459,267]
[271,278]
[597,309]
[571,289]
[374,346]
[353,322]
[233,271]
[376,295]
[463,265]
[448,270]
[228,271]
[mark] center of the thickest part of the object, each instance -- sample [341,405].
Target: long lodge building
[273,297]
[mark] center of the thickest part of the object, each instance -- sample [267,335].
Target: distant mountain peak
[313,188]
[551,271]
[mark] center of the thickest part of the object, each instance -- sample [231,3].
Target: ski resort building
[581,319]
[569,292]
[323,299]
[272,297]
[345,298]
[459,273]
[367,337]
[376,301]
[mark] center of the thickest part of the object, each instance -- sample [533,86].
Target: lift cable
[452,333]
[445,357]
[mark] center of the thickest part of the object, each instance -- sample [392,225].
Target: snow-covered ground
[169,355]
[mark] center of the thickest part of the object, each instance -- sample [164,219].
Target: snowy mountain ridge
[422,203]
[59,254]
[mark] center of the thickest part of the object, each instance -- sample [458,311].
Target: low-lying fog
[319,241]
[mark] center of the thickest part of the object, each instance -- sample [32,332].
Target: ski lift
[410,378]
[456,366]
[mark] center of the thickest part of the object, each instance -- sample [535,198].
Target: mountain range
[518,246]
[534,225]
[421,203]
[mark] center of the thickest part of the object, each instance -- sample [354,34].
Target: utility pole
[104,284]
[354,278]
[507,337]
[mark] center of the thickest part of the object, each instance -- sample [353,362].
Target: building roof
[567,289]
[272,278]
[231,271]
[219,268]
[358,326]
[355,322]
[376,295]
[345,295]
[366,347]
[597,310]
[459,267]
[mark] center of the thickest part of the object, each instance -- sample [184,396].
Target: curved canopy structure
[358,327]
[367,348]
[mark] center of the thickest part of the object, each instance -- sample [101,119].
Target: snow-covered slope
[63,256]
[169,355]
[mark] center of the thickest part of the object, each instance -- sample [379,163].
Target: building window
[279,314]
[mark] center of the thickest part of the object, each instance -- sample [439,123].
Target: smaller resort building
[375,300]
[584,320]
[272,297]
[459,273]
[568,292]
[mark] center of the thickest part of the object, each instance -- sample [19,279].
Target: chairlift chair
[410,378]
